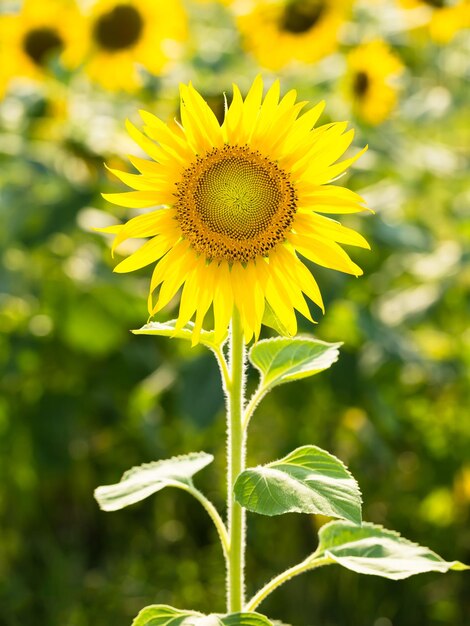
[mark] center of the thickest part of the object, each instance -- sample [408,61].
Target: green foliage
[162,615]
[140,482]
[371,549]
[280,360]
[308,480]
[167,329]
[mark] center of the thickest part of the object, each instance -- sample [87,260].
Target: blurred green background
[82,399]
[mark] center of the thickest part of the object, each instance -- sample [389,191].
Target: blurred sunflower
[445,17]
[129,32]
[237,205]
[41,32]
[280,31]
[368,82]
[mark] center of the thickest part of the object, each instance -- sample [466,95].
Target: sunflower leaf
[308,480]
[280,360]
[167,329]
[371,549]
[163,615]
[142,481]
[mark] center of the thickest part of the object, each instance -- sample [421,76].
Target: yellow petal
[253,279]
[325,253]
[114,229]
[248,296]
[231,125]
[323,227]
[158,130]
[148,253]
[278,300]
[151,168]
[147,225]
[197,133]
[306,282]
[165,265]
[174,279]
[206,281]
[223,301]
[140,199]
[320,140]
[280,262]
[189,295]
[332,172]
[143,142]
[302,126]
[207,118]
[137,181]
[251,110]
[279,120]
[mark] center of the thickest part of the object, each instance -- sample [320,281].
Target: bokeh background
[82,399]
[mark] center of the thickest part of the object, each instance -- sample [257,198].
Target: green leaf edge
[265,383]
[322,553]
[153,465]
[296,510]
[167,329]
[147,614]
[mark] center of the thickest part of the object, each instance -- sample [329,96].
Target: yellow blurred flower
[368,84]
[444,19]
[280,31]
[125,33]
[238,204]
[41,32]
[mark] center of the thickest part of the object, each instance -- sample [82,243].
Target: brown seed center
[300,16]
[119,28]
[235,204]
[40,43]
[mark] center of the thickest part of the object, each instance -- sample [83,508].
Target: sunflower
[129,32]
[445,17]
[239,208]
[280,31]
[372,68]
[41,32]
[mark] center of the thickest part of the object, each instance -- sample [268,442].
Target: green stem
[213,514]
[235,464]
[273,584]
[252,404]
[224,373]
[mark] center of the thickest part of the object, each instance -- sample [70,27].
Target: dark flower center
[40,43]
[437,4]
[235,204]
[119,28]
[301,15]
[361,84]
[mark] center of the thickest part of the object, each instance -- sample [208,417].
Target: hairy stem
[235,464]
[213,514]
[273,584]
[252,404]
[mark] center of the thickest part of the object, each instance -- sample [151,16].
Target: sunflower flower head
[34,37]
[370,83]
[443,18]
[128,33]
[278,32]
[238,208]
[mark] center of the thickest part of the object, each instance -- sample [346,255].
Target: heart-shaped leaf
[162,615]
[308,480]
[140,482]
[167,329]
[281,359]
[371,549]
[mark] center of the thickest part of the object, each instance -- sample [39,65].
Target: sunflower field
[90,95]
